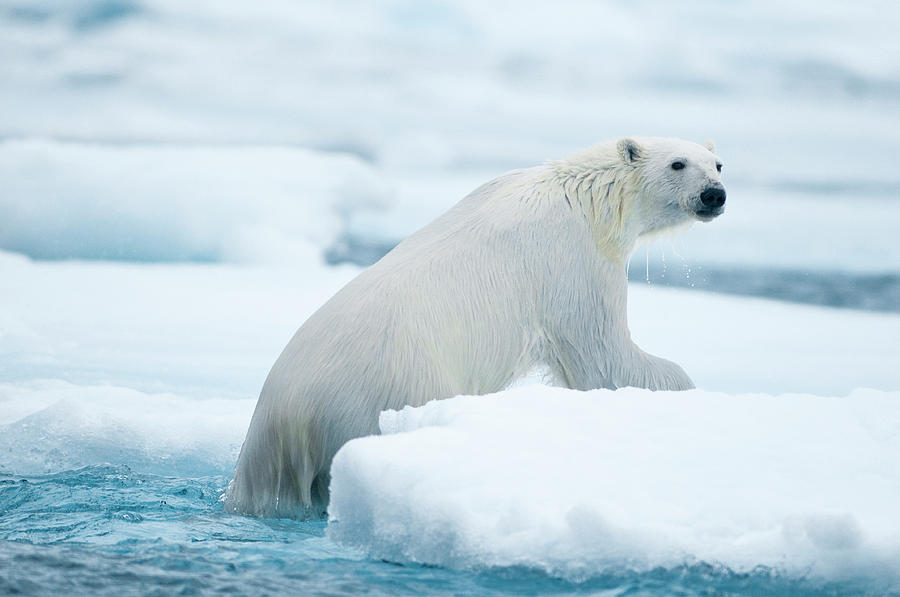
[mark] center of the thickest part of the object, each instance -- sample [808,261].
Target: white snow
[740,345]
[577,483]
[197,330]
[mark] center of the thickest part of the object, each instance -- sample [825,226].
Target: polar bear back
[490,272]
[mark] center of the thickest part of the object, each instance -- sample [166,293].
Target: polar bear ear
[629,150]
[710,145]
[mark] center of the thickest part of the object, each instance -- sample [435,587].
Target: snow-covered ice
[188,329]
[194,203]
[739,345]
[578,483]
[52,425]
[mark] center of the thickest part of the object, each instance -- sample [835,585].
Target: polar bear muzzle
[711,204]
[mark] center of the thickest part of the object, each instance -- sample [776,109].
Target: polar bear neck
[608,193]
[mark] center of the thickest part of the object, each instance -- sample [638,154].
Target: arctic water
[109,530]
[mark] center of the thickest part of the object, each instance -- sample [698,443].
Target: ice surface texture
[575,483]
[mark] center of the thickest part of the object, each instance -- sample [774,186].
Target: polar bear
[528,270]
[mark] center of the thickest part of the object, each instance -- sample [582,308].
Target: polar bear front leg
[593,348]
[644,370]
[617,364]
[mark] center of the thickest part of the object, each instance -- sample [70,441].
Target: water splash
[647,265]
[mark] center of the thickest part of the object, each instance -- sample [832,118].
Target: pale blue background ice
[433,98]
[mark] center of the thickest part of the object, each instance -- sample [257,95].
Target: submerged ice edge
[51,426]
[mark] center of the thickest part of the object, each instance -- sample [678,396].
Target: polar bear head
[679,181]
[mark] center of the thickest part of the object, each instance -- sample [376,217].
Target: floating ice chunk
[578,483]
[170,203]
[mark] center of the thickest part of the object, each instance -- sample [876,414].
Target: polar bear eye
[677,165]
[718,167]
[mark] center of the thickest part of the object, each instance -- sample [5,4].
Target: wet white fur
[528,269]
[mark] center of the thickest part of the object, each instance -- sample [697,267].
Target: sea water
[110,530]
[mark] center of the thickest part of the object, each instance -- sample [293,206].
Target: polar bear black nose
[713,197]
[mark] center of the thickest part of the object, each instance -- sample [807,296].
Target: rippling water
[111,530]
